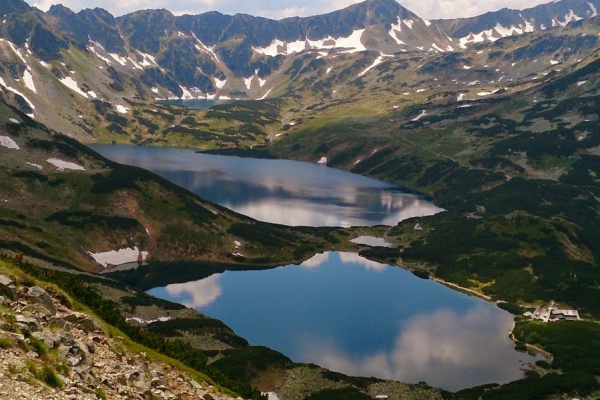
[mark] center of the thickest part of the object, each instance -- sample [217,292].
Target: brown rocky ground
[48,351]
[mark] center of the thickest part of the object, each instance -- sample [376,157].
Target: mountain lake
[338,310]
[279,191]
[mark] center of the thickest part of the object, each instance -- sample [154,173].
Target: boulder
[59,323]
[38,295]
[49,338]
[85,323]
[8,288]
[31,324]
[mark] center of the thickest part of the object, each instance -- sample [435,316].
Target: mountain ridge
[79,59]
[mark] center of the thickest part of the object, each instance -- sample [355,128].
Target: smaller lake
[279,191]
[359,317]
[196,104]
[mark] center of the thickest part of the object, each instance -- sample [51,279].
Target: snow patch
[438,48]
[581,83]
[15,91]
[122,256]
[72,84]
[466,67]
[248,82]
[460,97]
[277,47]
[146,322]
[186,93]
[148,60]
[570,17]
[220,83]
[118,58]
[552,62]
[394,29]
[418,117]
[16,50]
[62,165]
[7,142]
[265,95]
[122,109]
[35,165]
[378,61]
[323,160]
[28,80]
[100,56]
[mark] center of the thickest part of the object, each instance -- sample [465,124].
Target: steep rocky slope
[50,351]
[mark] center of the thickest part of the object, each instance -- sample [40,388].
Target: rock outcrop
[48,351]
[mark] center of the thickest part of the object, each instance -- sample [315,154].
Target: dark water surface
[360,317]
[279,191]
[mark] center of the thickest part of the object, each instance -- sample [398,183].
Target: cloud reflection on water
[345,258]
[316,261]
[453,350]
[279,191]
[202,292]
[354,258]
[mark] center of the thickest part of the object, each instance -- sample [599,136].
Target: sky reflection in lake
[359,317]
[278,191]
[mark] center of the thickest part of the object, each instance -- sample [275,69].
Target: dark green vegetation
[523,217]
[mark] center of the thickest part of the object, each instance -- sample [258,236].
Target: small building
[418,228]
[552,314]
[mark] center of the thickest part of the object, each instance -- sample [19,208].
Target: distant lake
[197,104]
[359,317]
[279,191]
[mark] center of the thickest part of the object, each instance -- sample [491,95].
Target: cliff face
[50,351]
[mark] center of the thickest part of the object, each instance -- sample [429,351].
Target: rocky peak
[13,6]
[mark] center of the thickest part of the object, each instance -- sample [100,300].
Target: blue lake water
[280,191]
[337,310]
[359,317]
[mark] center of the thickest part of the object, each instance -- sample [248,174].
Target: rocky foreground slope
[50,351]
